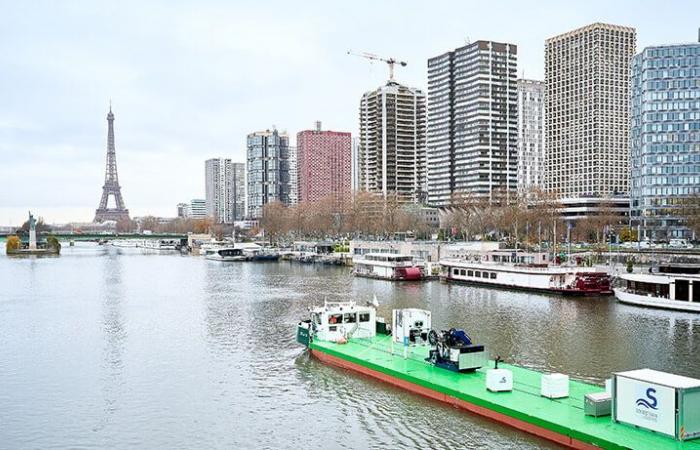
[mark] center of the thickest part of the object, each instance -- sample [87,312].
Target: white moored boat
[665,289]
[387,266]
[226,254]
[516,270]
[160,244]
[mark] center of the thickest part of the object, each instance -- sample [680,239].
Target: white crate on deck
[499,380]
[554,385]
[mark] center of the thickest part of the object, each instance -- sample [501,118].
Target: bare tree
[274,220]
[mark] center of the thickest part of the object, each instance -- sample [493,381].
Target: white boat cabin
[389,266]
[336,321]
[660,290]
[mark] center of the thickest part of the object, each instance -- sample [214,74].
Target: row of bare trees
[535,217]
[179,225]
[521,219]
[362,214]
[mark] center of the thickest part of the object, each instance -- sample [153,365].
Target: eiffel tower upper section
[111,186]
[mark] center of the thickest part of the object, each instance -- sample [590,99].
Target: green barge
[560,420]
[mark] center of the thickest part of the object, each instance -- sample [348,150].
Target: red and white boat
[533,276]
[387,266]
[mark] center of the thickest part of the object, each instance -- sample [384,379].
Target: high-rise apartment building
[665,138]
[195,209]
[587,100]
[239,186]
[355,165]
[530,135]
[267,170]
[391,153]
[293,176]
[324,159]
[472,122]
[182,210]
[224,189]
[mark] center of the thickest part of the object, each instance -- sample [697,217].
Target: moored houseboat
[387,266]
[669,288]
[226,254]
[523,271]
[160,244]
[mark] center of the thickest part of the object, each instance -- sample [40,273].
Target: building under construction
[391,150]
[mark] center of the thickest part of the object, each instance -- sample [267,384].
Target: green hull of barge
[524,403]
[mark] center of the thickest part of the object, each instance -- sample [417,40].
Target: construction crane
[389,61]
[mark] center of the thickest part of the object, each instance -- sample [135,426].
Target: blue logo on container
[650,402]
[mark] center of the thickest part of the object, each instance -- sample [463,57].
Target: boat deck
[562,417]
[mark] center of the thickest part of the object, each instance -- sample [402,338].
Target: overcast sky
[188,81]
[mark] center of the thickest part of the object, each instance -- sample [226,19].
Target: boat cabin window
[655,289]
[335,318]
[316,318]
[470,273]
[493,275]
[455,271]
[477,274]
[485,275]
[350,318]
[464,272]
[364,317]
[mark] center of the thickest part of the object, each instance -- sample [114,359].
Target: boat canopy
[387,257]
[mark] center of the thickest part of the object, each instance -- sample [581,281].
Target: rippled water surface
[119,348]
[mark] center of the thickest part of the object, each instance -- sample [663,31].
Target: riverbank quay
[558,420]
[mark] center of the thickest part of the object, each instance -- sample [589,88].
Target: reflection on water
[111,294]
[116,348]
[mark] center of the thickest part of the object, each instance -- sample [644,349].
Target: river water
[120,348]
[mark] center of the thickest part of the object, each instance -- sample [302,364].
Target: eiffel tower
[111,186]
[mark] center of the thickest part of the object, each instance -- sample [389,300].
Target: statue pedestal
[32,239]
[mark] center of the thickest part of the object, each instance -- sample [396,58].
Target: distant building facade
[391,152]
[182,210]
[293,176]
[197,209]
[267,170]
[239,187]
[587,92]
[472,122]
[224,188]
[324,160]
[665,148]
[530,135]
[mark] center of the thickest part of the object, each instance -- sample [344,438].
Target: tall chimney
[318,125]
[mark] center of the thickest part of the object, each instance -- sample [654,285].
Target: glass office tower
[665,139]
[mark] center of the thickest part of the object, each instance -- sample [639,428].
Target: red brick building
[324,164]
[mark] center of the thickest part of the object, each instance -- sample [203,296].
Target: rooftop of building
[393,85]
[269,133]
[590,27]
[672,45]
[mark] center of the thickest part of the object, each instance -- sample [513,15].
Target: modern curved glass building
[665,139]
